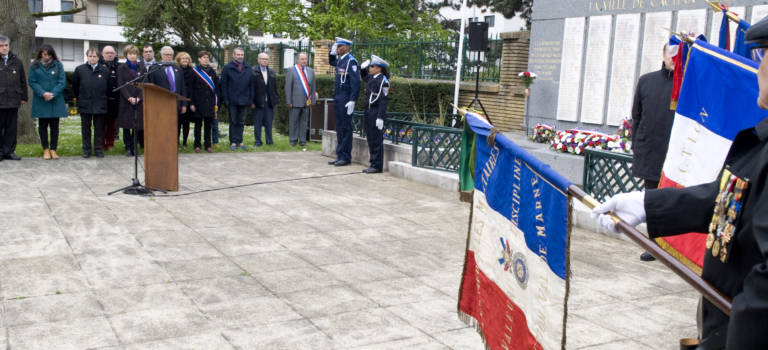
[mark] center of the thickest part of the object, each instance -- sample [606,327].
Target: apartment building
[72,35]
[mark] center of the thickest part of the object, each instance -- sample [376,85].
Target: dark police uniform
[376,91]
[346,88]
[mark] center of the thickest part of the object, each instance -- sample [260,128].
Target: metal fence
[398,127]
[434,59]
[286,53]
[608,173]
[436,147]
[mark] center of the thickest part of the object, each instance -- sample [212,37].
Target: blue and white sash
[208,81]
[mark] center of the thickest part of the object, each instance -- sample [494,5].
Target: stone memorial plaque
[654,37]
[692,21]
[717,20]
[596,69]
[624,64]
[759,12]
[570,73]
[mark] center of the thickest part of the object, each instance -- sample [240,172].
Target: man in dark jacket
[265,100]
[13,94]
[91,85]
[237,95]
[109,59]
[651,124]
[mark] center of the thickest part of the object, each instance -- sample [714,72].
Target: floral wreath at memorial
[575,141]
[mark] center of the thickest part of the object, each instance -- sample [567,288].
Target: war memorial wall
[588,54]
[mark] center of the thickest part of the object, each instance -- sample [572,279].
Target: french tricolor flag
[717,100]
[515,282]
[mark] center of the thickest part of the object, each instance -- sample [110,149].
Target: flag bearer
[733,210]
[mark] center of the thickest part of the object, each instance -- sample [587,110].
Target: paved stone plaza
[332,262]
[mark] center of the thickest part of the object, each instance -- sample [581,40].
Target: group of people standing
[106,102]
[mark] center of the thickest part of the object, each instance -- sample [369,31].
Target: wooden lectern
[161,139]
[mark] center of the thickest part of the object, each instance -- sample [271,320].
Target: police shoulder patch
[354,68]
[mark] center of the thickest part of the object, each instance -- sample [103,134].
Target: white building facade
[497,24]
[72,35]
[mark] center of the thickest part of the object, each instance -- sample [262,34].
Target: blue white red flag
[717,100]
[515,282]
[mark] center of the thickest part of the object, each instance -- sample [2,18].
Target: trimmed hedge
[405,95]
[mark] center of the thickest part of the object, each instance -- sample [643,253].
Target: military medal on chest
[728,205]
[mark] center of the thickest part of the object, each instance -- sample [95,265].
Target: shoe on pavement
[12,156]
[333,162]
[647,257]
[87,154]
[232,147]
[99,154]
[341,163]
[209,150]
[197,149]
[46,154]
[372,171]
[54,155]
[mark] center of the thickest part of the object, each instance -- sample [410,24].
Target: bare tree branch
[59,13]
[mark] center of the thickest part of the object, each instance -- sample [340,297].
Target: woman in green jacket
[47,80]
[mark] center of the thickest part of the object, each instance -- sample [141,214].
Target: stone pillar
[274,56]
[321,65]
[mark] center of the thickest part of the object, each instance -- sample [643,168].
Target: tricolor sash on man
[303,82]
[515,282]
[208,81]
[717,100]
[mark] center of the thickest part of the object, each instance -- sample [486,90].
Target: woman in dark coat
[185,62]
[203,87]
[130,101]
[47,81]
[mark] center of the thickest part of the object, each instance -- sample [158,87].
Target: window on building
[67,52]
[66,6]
[490,20]
[35,6]
[107,14]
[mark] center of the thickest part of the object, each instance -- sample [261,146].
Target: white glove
[630,207]
[350,107]
[380,123]
[333,49]
[365,64]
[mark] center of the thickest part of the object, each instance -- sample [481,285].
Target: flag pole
[707,290]
[459,63]
[733,16]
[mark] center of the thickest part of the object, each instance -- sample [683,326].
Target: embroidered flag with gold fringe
[717,100]
[515,285]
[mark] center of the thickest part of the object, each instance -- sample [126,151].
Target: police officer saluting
[346,89]
[733,209]
[375,75]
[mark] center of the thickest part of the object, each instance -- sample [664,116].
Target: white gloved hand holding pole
[350,107]
[333,49]
[380,123]
[365,64]
[630,207]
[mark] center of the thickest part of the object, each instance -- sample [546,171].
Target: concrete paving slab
[338,259]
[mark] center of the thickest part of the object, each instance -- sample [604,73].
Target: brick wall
[321,65]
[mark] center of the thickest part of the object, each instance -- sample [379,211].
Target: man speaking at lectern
[169,76]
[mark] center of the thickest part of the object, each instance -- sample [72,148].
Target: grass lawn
[70,142]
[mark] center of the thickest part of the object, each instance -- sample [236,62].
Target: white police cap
[342,41]
[378,61]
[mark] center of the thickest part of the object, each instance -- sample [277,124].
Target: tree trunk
[19,25]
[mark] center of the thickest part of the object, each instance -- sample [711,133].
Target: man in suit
[13,82]
[170,76]
[109,59]
[300,93]
[148,58]
[346,89]
[265,99]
